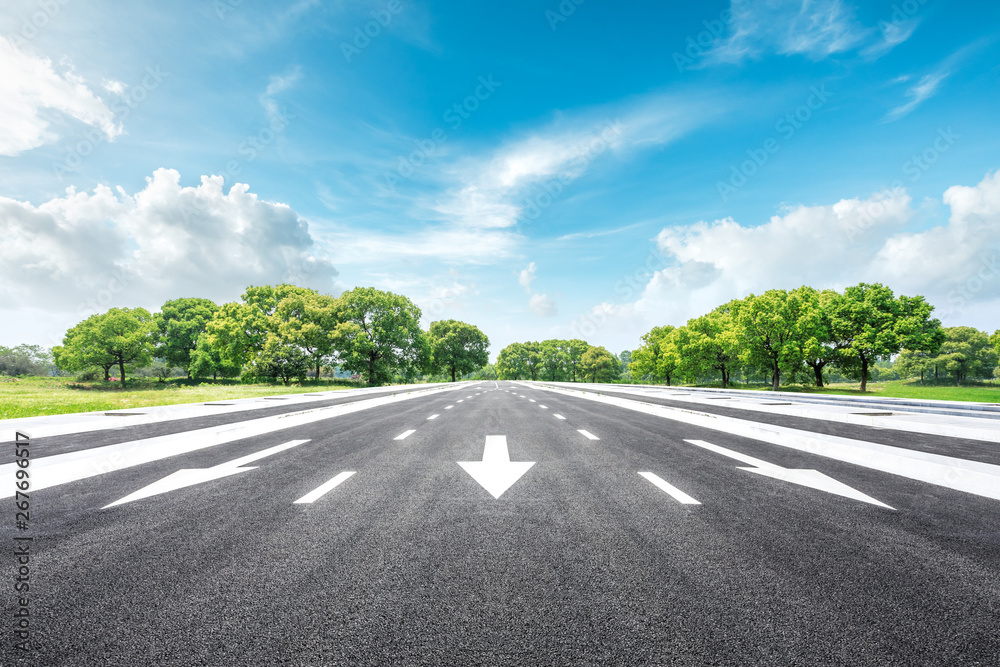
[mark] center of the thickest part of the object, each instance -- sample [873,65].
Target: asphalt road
[579,561]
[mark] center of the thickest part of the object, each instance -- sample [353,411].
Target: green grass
[34,396]
[977,393]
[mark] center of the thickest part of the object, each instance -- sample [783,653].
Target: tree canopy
[457,347]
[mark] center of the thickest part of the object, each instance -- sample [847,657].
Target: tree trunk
[452,373]
[921,376]
[668,380]
[371,371]
[775,377]
[725,378]
[121,369]
[317,370]
[818,370]
[864,374]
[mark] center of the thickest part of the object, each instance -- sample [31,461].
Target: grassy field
[33,396]
[979,393]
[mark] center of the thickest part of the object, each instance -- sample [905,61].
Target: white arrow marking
[496,472]
[670,489]
[191,476]
[810,478]
[323,489]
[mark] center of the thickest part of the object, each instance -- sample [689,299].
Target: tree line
[277,332]
[802,332]
[557,360]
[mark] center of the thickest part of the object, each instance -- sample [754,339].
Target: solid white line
[982,479]
[322,490]
[405,434]
[433,417]
[673,491]
[587,434]
[558,416]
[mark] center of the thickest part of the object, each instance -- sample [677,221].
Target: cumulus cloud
[92,251]
[542,305]
[526,277]
[30,88]
[702,265]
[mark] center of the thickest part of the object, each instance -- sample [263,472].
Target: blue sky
[540,169]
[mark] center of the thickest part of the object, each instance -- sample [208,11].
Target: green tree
[119,337]
[711,344]
[25,359]
[179,323]
[910,363]
[600,365]
[874,325]
[554,358]
[457,347]
[818,345]
[512,362]
[574,350]
[306,320]
[769,333]
[210,360]
[657,356]
[966,352]
[378,333]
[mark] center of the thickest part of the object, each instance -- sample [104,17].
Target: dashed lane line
[587,434]
[669,489]
[323,489]
[405,434]
[433,417]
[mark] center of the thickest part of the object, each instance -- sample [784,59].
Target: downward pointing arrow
[191,476]
[496,472]
[810,478]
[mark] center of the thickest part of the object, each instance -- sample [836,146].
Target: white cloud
[924,89]
[542,305]
[525,176]
[894,33]
[29,87]
[166,241]
[277,84]
[527,276]
[955,265]
[815,28]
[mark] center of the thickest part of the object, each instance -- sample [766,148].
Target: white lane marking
[461,400]
[191,476]
[981,479]
[673,491]
[532,400]
[405,434]
[449,407]
[810,478]
[521,395]
[496,472]
[544,407]
[587,434]
[433,417]
[49,471]
[323,489]
[558,416]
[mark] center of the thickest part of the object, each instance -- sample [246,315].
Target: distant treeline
[277,332]
[805,332]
